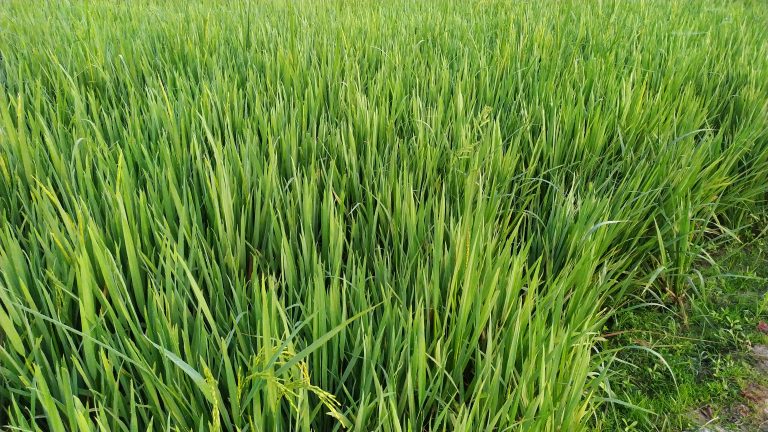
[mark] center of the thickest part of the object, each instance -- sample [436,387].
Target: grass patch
[710,356]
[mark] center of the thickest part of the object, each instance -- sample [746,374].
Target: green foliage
[709,356]
[395,216]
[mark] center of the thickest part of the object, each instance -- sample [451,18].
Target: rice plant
[391,216]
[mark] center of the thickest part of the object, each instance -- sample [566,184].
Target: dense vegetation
[395,216]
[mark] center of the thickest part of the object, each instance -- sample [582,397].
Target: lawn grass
[708,366]
[394,216]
